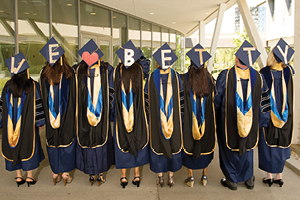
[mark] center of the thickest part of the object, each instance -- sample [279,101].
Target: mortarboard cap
[128,54]
[17,63]
[52,51]
[90,53]
[198,55]
[164,56]
[283,51]
[247,54]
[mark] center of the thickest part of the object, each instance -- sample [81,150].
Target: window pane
[173,40]
[89,19]
[119,34]
[146,39]
[178,53]
[156,37]
[165,35]
[33,32]
[65,27]
[7,38]
[134,32]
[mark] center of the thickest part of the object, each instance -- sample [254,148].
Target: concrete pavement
[80,187]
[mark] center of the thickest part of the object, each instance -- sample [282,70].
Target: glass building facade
[27,25]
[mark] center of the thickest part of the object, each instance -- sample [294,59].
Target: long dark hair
[52,73]
[132,73]
[20,82]
[198,82]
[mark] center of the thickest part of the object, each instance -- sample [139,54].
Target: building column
[296,138]
[252,32]
[202,33]
[216,35]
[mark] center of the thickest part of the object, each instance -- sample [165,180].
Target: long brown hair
[131,73]
[198,82]
[272,61]
[20,82]
[52,73]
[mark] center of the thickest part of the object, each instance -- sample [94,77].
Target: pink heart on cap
[90,58]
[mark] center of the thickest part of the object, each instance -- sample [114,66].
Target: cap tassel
[61,62]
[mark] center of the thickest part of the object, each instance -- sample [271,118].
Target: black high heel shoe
[30,182]
[20,182]
[137,183]
[160,181]
[92,179]
[123,184]
[268,181]
[100,179]
[279,182]
[170,181]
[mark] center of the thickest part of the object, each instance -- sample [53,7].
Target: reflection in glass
[119,34]
[7,40]
[134,32]
[156,42]
[65,27]
[104,46]
[173,40]
[146,39]
[178,53]
[33,25]
[165,35]
[94,19]
[156,37]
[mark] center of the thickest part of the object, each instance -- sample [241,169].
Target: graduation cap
[247,54]
[128,54]
[198,55]
[90,53]
[52,51]
[283,51]
[17,64]
[164,56]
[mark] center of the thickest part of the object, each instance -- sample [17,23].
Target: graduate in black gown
[58,87]
[242,106]
[275,140]
[94,150]
[131,136]
[199,133]
[21,117]
[163,89]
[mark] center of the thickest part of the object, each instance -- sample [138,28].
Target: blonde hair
[271,60]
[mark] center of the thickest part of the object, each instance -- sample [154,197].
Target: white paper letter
[51,53]
[128,57]
[163,58]
[284,54]
[249,49]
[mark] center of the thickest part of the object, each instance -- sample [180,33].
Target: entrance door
[103,42]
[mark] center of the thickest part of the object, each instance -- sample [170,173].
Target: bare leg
[137,173]
[278,176]
[29,176]
[170,179]
[19,174]
[269,175]
[204,172]
[123,174]
[190,172]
